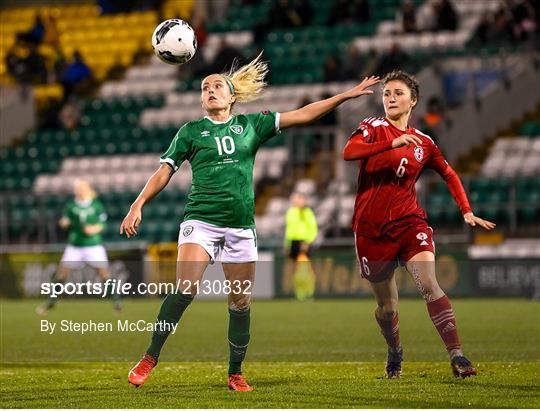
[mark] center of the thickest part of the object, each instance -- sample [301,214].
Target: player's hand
[131,222]
[92,229]
[406,140]
[472,220]
[363,87]
[63,222]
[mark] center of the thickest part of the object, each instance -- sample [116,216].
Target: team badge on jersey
[187,231]
[419,153]
[237,129]
[422,237]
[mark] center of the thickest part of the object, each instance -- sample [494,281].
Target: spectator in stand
[35,62]
[433,118]
[15,63]
[371,64]
[52,35]
[117,70]
[226,55]
[447,18]
[524,19]
[426,18]
[502,29]
[49,117]
[406,17]
[394,59]
[37,32]
[331,69]
[201,33]
[77,77]
[285,14]
[349,12]
[141,56]
[70,115]
[353,65]
[59,65]
[483,28]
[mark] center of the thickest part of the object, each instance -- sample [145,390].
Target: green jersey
[83,214]
[221,155]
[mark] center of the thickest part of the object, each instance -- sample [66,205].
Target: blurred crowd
[514,21]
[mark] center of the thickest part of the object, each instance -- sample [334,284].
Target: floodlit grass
[324,354]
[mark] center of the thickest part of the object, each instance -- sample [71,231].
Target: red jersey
[386,179]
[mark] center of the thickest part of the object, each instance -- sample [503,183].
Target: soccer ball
[174,41]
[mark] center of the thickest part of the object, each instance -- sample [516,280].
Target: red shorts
[379,257]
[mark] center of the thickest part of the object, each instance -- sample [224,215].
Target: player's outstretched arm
[472,220]
[313,111]
[441,166]
[154,185]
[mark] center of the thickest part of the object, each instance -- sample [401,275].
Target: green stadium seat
[529,214]
[436,215]
[453,215]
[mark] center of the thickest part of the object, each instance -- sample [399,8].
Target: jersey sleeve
[362,143]
[364,131]
[178,150]
[438,163]
[266,124]
[101,213]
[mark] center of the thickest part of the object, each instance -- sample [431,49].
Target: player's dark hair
[407,79]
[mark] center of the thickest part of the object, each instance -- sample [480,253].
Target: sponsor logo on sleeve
[419,153]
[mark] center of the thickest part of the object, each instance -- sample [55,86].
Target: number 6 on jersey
[400,172]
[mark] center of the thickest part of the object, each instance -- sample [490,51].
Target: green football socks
[170,313]
[238,339]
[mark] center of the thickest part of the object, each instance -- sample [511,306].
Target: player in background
[85,218]
[389,225]
[219,216]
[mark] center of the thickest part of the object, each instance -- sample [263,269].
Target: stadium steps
[528,125]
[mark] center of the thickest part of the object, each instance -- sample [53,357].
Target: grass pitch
[325,354]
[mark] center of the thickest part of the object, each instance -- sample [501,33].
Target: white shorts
[228,245]
[94,255]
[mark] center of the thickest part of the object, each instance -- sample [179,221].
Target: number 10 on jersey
[225,145]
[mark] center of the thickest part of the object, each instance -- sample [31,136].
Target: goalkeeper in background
[300,232]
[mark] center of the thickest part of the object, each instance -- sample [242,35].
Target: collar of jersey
[218,122]
[409,128]
[83,203]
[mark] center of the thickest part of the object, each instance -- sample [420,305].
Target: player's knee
[430,290]
[241,304]
[387,309]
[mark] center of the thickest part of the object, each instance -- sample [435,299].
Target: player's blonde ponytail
[248,81]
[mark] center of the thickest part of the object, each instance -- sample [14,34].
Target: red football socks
[443,318]
[390,331]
